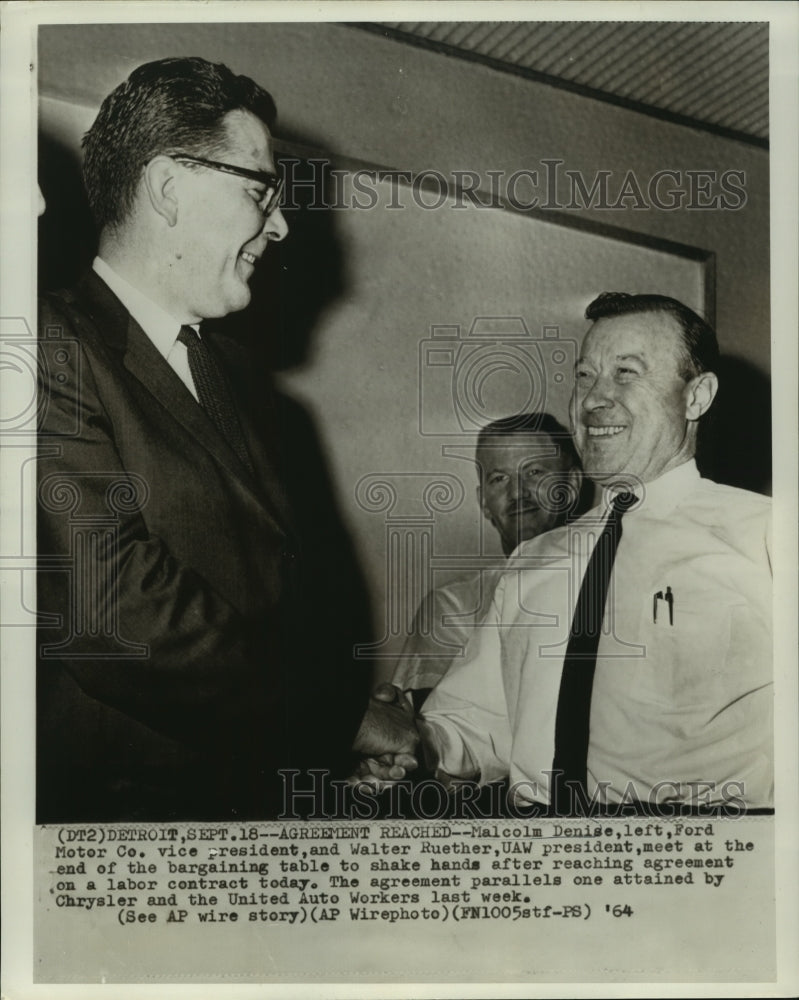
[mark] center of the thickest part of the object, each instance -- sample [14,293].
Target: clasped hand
[388,738]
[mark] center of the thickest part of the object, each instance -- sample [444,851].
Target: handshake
[388,738]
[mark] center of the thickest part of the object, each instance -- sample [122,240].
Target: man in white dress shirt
[681,696]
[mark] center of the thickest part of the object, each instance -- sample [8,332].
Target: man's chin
[233,303]
[603,474]
[527,524]
[603,460]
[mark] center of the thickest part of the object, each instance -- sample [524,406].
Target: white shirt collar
[664,493]
[159,325]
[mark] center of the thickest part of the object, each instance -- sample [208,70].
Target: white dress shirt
[161,328]
[673,703]
[442,626]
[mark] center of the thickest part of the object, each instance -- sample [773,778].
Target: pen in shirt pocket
[668,597]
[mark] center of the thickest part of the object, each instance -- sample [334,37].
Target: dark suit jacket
[172,676]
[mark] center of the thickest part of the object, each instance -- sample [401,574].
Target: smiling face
[631,410]
[518,478]
[222,232]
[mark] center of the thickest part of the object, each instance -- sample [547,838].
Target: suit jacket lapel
[142,359]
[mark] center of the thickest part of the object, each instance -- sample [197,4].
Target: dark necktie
[214,392]
[572,723]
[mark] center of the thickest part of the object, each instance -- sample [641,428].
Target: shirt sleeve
[465,723]
[423,660]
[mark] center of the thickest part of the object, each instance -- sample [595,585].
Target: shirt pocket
[684,662]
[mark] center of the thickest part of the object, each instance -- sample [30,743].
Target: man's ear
[160,185]
[699,394]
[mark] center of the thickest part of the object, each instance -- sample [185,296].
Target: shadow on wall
[298,280]
[735,448]
[67,239]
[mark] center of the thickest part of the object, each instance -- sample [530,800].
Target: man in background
[529,483]
[174,673]
[632,663]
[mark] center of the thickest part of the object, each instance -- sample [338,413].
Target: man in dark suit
[172,661]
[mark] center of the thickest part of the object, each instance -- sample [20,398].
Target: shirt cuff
[444,750]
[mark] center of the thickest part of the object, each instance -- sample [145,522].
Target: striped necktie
[214,392]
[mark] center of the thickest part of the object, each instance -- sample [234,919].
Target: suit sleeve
[465,721]
[136,629]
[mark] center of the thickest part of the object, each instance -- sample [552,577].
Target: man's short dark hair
[165,107]
[700,347]
[529,423]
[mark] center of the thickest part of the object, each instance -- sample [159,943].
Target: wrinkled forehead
[654,337]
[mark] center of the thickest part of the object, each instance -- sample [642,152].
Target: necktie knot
[623,502]
[188,335]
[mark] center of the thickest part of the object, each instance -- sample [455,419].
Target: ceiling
[712,75]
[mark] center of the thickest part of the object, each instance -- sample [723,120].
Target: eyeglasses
[271,182]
